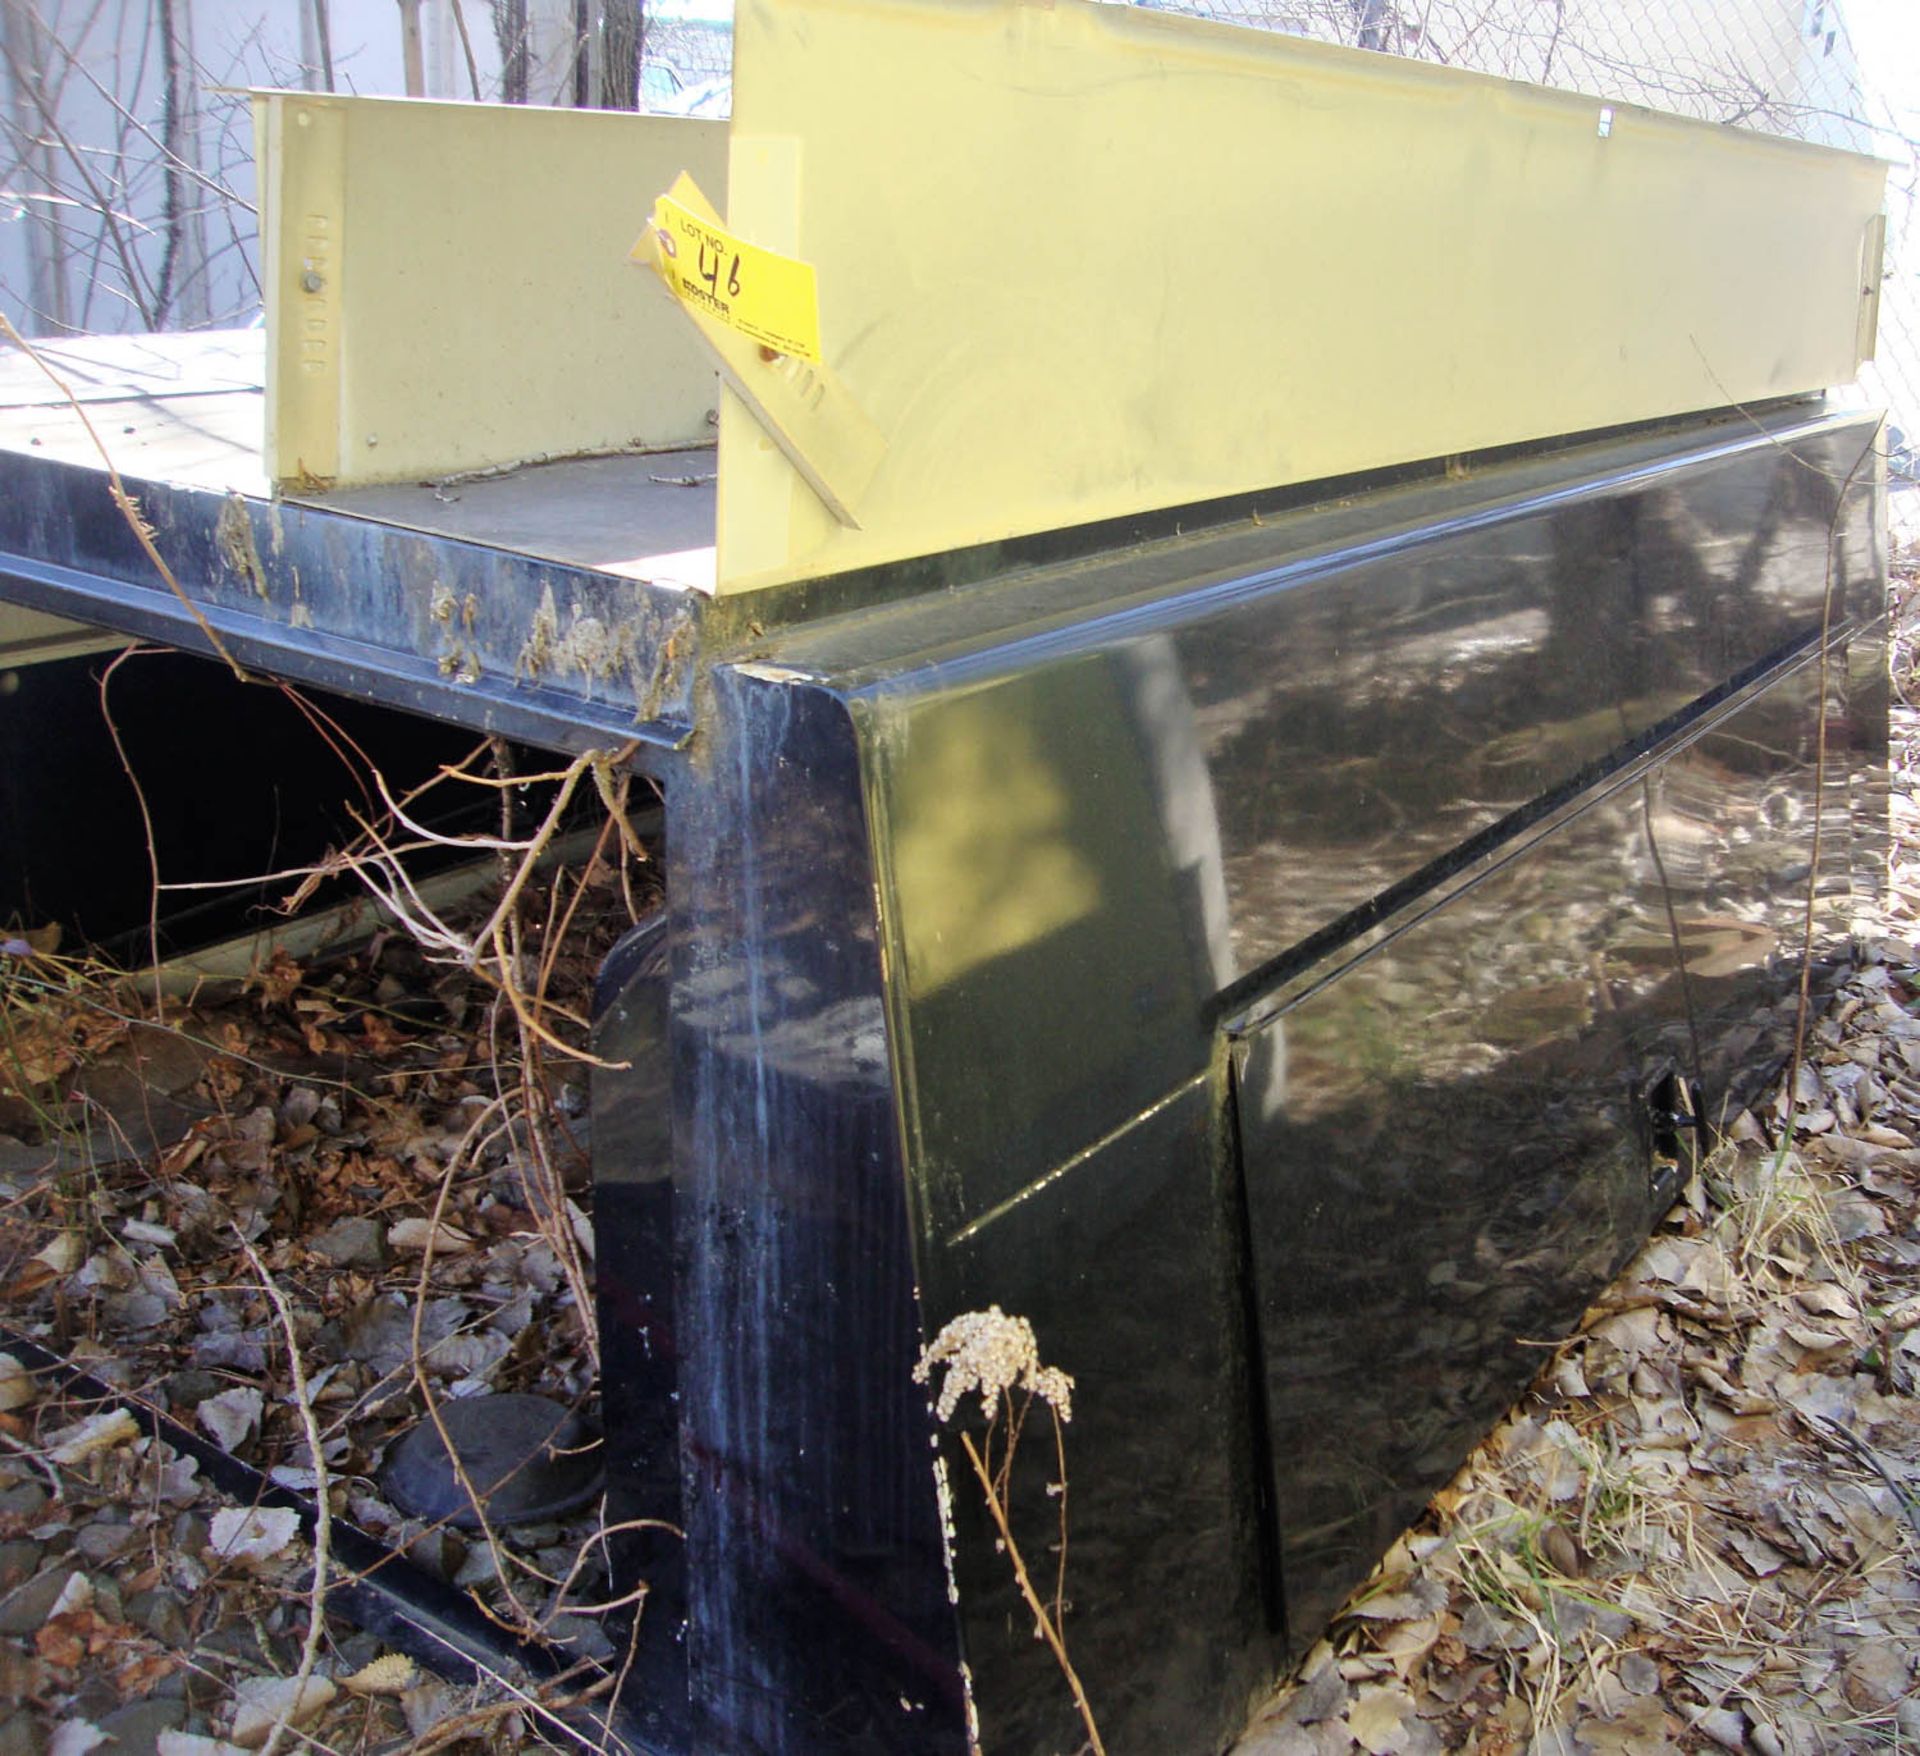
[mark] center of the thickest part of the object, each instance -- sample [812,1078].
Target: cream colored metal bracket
[1076,261]
[446,289]
[803,407]
[1873,256]
[301,146]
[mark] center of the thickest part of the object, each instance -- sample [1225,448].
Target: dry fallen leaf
[1725,1727]
[1278,1740]
[427,1704]
[70,1638]
[1638,1674]
[233,1416]
[95,1433]
[1407,1644]
[192,1744]
[1641,1730]
[392,1673]
[16,1384]
[139,1675]
[64,1254]
[1904,1315]
[75,1737]
[1401,1601]
[1375,1718]
[251,1534]
[260,1703]
[1761,1557]
[1825,1300]
[1817,1341]
[414,1235]
[1561,1551]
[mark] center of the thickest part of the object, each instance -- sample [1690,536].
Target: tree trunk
[47,249]
[1373,18]
[618,44]
[510,29]
[412,54]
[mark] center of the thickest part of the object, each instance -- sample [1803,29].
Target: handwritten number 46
[711,263]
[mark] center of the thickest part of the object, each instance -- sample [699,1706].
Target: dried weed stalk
[498,951]
[1772,1218]
[998,1357]
[322,1501]
[53,1020]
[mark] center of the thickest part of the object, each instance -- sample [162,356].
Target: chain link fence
[1791,67]
[696,55]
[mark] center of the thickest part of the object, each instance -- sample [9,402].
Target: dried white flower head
[1053,1386]
[992,1353]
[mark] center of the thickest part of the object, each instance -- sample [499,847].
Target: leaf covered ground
[338,1162]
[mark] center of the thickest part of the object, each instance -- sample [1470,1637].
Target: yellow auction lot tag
[765,295]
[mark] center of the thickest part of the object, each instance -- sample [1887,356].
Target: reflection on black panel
[1459,1155]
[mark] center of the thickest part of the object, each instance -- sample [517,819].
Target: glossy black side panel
[1100,836]
[966,893]
[1116,807]
[1448,1141]
[1127,1271]
[1420,700]
[816,1582]
[633,1261]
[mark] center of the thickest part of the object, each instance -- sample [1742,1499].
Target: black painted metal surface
[1451,1135]
[480,637]
[817,1600]
[975,889]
